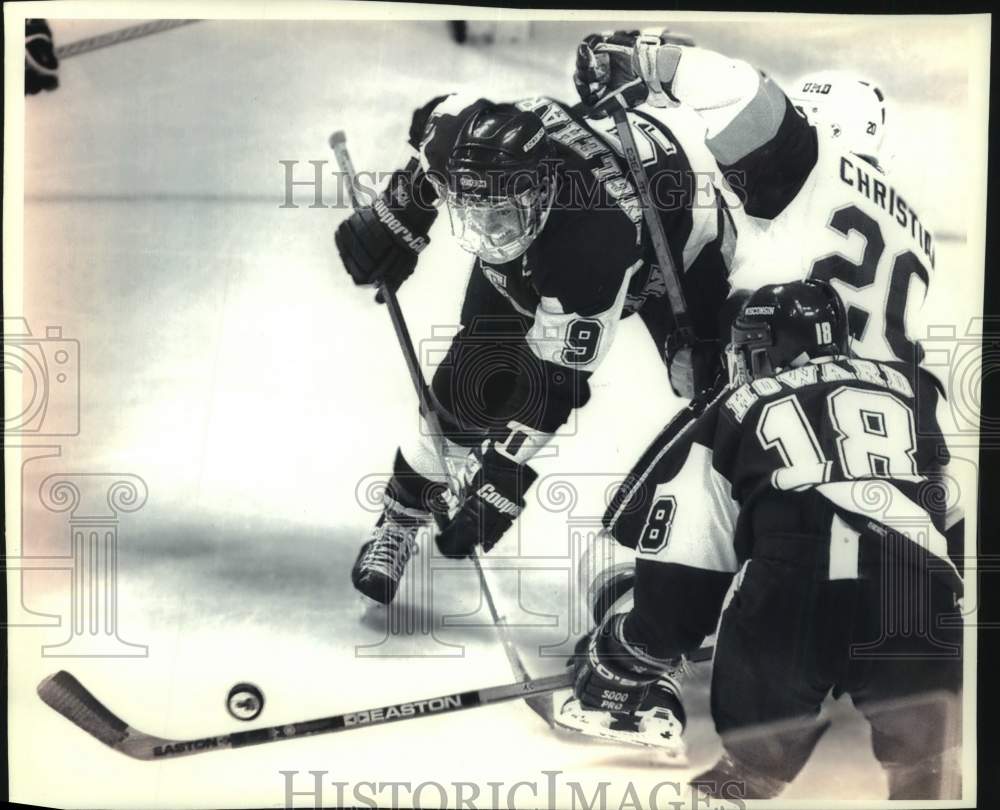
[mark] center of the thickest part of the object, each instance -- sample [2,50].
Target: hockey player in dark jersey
[544,201]
[820,471]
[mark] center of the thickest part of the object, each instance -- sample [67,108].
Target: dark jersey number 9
[583,338]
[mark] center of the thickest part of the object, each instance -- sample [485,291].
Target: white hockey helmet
[845,106]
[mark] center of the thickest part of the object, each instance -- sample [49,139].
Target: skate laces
[392,546]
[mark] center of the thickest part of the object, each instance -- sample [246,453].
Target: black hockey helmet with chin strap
[784,325]
[500,183]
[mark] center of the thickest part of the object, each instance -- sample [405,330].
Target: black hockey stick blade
[72,700]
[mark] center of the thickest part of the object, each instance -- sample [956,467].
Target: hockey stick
[117,36]
[72,700]
[678,304]
[338,142]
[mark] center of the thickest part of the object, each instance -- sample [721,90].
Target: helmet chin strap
[801,360]
[551,183]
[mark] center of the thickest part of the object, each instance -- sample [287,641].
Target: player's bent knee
[605,573]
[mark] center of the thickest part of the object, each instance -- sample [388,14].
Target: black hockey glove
[608,676]
[619,70]
[380,242]
[605,75]
[493,500]
[40,62]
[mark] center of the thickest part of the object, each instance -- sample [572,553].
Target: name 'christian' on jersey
[841,453]
[593,263]
[818,211]
[849,225]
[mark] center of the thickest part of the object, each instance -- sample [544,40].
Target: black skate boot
[390,545]
[659,722]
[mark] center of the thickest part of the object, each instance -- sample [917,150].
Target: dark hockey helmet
[500,184]
[783,325]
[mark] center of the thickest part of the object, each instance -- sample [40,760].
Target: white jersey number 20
[878,328]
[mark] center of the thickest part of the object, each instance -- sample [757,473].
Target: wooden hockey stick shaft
[338,142]
[70,698]
[661,248]
[117,36]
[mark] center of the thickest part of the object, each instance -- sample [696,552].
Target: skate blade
[568,715]
[369,603]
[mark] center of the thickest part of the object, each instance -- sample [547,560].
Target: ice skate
[383,558]
[658,724]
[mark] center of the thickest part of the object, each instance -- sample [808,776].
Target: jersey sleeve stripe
[701,535]
[640,482]
[549,334]
[844,550]
[754,126]
[898,513]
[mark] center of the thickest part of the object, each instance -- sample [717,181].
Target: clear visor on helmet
[499,229]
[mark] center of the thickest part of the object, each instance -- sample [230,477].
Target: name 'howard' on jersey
[841,455]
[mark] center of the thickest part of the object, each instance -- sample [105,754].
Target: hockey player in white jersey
[825,211]
[848,109]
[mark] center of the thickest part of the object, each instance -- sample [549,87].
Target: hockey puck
[245,701]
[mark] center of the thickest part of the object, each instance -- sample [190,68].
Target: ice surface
[228,361]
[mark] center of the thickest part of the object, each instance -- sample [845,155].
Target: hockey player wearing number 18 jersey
[820,471]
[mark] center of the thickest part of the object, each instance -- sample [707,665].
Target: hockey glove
[618,70]
[379,243]
[40,63]
[694,371]
[609,677]
[493,500]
